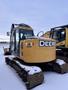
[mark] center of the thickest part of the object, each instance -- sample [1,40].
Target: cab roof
[60,27]
[21,26]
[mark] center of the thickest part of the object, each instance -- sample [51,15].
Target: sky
[40,14]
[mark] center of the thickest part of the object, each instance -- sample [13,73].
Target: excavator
[60,34]
[30,55]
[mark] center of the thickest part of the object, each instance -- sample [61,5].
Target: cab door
[17,43]
[12,42]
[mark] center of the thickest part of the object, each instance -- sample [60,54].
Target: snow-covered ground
[9,80]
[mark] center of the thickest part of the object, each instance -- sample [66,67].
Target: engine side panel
[32,52]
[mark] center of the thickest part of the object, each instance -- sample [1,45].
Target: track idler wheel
[60,67]
[57,68]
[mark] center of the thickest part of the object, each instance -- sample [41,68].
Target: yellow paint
[33,53]
[47,34]
[66,45]
[60,43]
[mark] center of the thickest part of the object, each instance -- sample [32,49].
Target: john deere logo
[47,43]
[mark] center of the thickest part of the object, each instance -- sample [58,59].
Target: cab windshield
[26,34]
[58,35]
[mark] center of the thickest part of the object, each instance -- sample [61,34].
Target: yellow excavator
[30,55]
[60,34]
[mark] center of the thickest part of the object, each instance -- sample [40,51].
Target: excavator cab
[19,32]
[59,34]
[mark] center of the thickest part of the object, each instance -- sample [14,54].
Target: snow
[58,49]
[31,69]
[9,79]
[60,62]
[10,56]
[4,38]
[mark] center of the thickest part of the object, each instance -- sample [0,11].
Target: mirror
[40,34]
